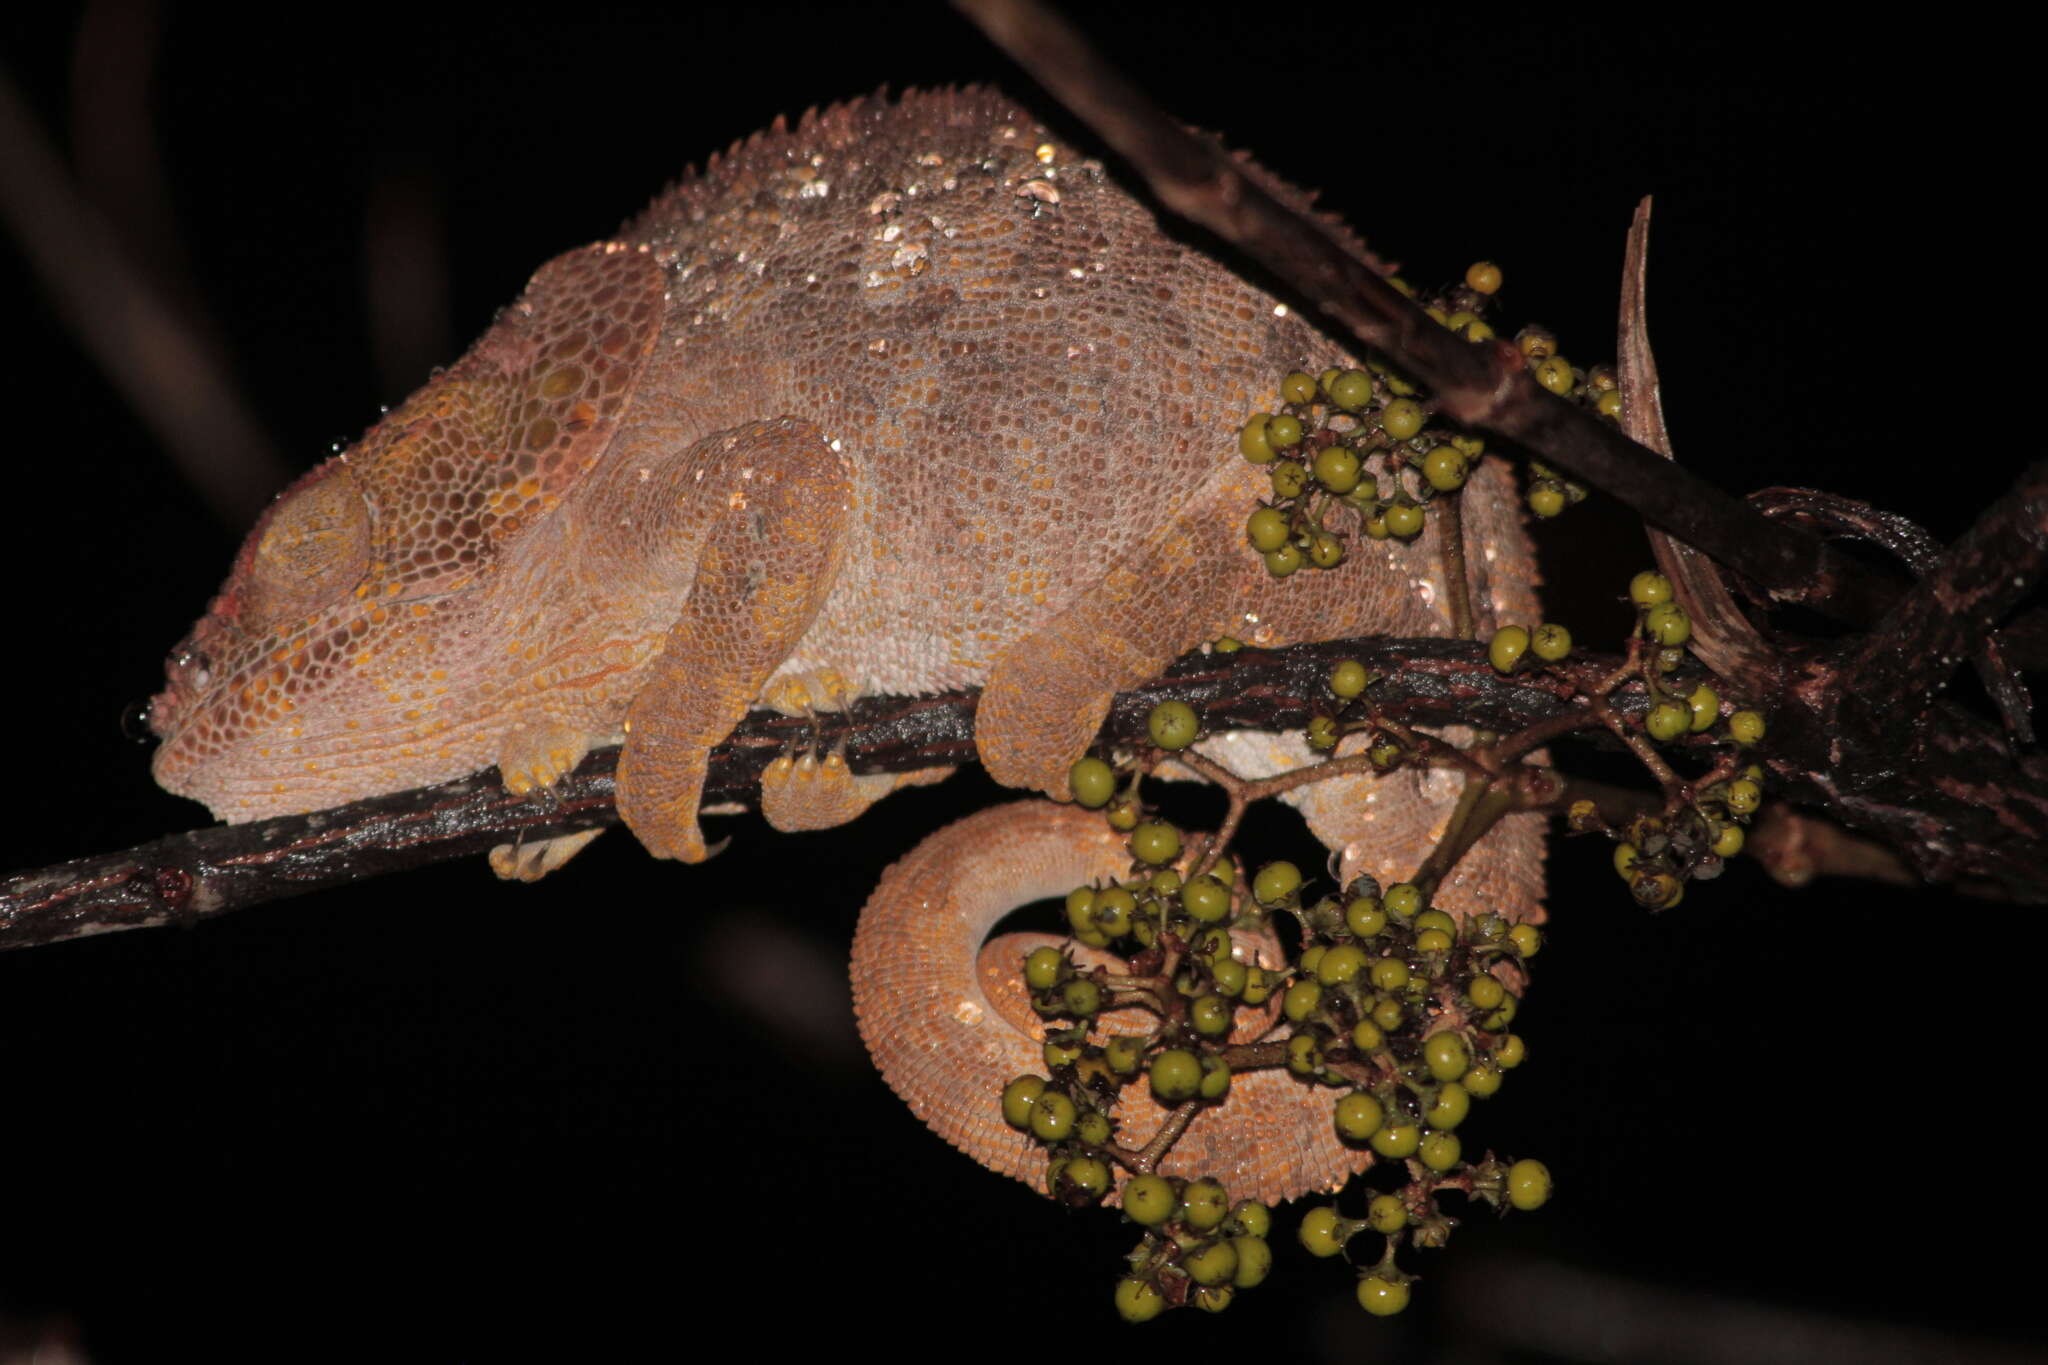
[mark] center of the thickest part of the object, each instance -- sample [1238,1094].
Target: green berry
[1059,1052]
[1528,1184]
[1667,624]
[1649,588]
[1483,277]
[1705,706]
[1092,782]
[1298,388]
[1340,964]
[1206,900]
[1052,1117]
[1139,1300]
[1323,1233]
[1286,560]
[1230,976]
[1211,1015]
[1366,1035]
[1404,521]
[1446,468]
[1266,529]
[1084,1179]
[1124,1054]
[1481,1082]
[1358,1116]
[1080,998]
[1253,442]
[1527,939]
[1386,1214]
[1251,1219]
[1440,1151]
[1114,907]
[1436,919]
[1337,469]
[1728,841]
[1449,1108]
[1506,648]
[1667,720]
[1389,974]
[1176,1075]
[1204,1204]
[1547,499]
[1043,968]
[1275,882]
[1553,373]
[1397,1141]
[1283,431]
[1304,1054]
[1402,418]
[1213,1298]
[1746,727]
[1380,1297]
[1149,1199]
[1254,1261]
[1446,1055]
[1155,842]
[1289,478]
[1550,642]
[1325,551]
[1350,390]
[1173,725]
[1364,918]
[1020,1097]
[1511,1053]
[1211,1263]
[1349,679]
[1215,1077]
[1403,900]
[1389,1015]
[1302,1000]
[1485,992]
[1744,796]
[1322,733]
[1433,941]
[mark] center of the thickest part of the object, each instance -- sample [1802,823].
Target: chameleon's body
[908,398]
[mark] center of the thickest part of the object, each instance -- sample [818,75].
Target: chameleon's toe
[535,757]
[529,862]
[813,793]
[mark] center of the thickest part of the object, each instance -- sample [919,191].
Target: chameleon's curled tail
[949,1021]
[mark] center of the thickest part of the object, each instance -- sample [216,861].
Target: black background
[441,1118]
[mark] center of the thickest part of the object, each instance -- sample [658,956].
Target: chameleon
[907,396]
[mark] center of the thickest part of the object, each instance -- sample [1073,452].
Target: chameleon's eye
[313,547]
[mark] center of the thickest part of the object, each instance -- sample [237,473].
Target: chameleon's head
[347,654]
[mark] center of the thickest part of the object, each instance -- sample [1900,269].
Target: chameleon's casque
[908,397]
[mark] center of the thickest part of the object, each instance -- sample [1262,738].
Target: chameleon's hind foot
[808,792]
[529,862]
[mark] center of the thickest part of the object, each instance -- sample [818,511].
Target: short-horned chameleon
[908,397]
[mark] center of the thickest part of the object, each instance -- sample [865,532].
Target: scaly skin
[910,397]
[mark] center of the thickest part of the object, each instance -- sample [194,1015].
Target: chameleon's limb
[949,1024]
[774,500]
[1048,693]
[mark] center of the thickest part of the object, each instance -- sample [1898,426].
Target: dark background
[624,1111]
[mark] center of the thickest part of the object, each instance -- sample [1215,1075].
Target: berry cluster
[1400,1009]
[1362,441]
